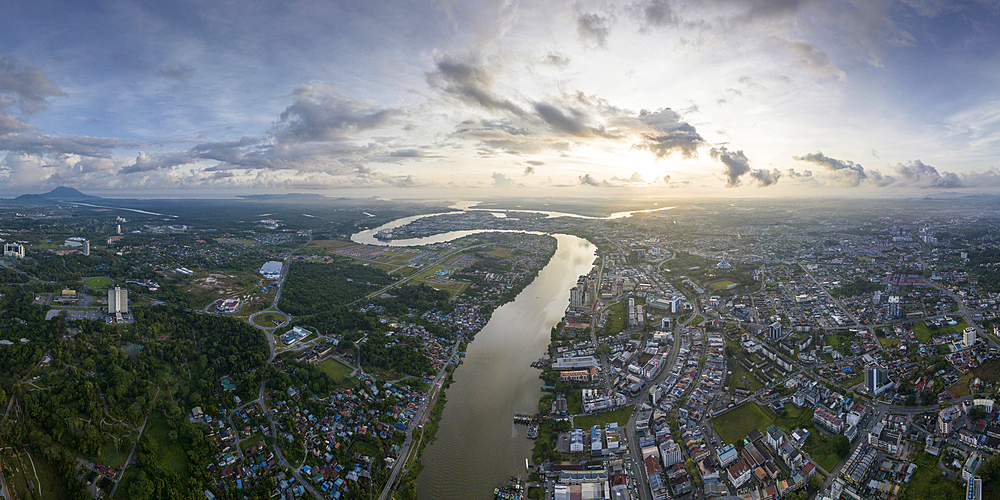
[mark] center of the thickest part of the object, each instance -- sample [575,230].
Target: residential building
[774,331]
[828,420]
[739,473]
[117,301]
[877,379]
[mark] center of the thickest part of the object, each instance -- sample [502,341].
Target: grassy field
[925,333]
[743,378]
[620,415]
[793,417]
[697,320]
[928,481]
[250,441]
[836,341]
[335,369]
[887,343]
[98,282]
[268,320]
[734,425]
[501,252]
[574,403]
[989,371]
[720,284]
[821,450]
[616,319]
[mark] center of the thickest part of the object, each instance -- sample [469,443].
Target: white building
[271,269]
[117,301]
[969,336]
[13,250]
[671,453]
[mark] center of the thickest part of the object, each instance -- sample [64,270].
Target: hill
[61,193]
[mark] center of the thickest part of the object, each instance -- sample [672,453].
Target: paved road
[418,418]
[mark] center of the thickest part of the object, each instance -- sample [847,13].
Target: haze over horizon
[482,99]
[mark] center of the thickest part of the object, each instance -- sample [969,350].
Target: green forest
[311,288]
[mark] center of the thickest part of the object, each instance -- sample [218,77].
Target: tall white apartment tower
[117,301]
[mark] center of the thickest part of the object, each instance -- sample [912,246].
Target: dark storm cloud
[470,83]
[667,134]
[320,113]
[765,177]
[736,163]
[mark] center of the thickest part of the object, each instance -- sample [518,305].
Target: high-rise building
[637,255]
[117,301]
[895,307]
[774,331]
[118,229]
[86,247]
[13,250]
[969,336]
[877,379]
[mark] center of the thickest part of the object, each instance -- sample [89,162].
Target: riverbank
[477,444]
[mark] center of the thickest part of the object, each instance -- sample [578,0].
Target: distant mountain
[61,193]
[282,197]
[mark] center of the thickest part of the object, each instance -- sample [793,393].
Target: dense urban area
[252,349]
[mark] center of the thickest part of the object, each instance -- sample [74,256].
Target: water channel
[478,445]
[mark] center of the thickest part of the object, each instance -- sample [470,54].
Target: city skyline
[718,98]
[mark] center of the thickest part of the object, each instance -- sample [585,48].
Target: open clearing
[721,284]
[97,283]
[734,425]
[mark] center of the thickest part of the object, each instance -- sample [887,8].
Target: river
[478,445]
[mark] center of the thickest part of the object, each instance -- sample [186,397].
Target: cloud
[529,170]
[502,181]
[815,60]
[536,163]
[932,8]
[179,72]
[918,173]
[846,173]
[654,14]
[25,87]
[736,163]
[471,83]
[589,180]
[146,163]
[765,177]
[666,134]
[573,122]
[594,28]
[556,59]
[320,113]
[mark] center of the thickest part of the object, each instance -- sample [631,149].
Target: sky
[660,97]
